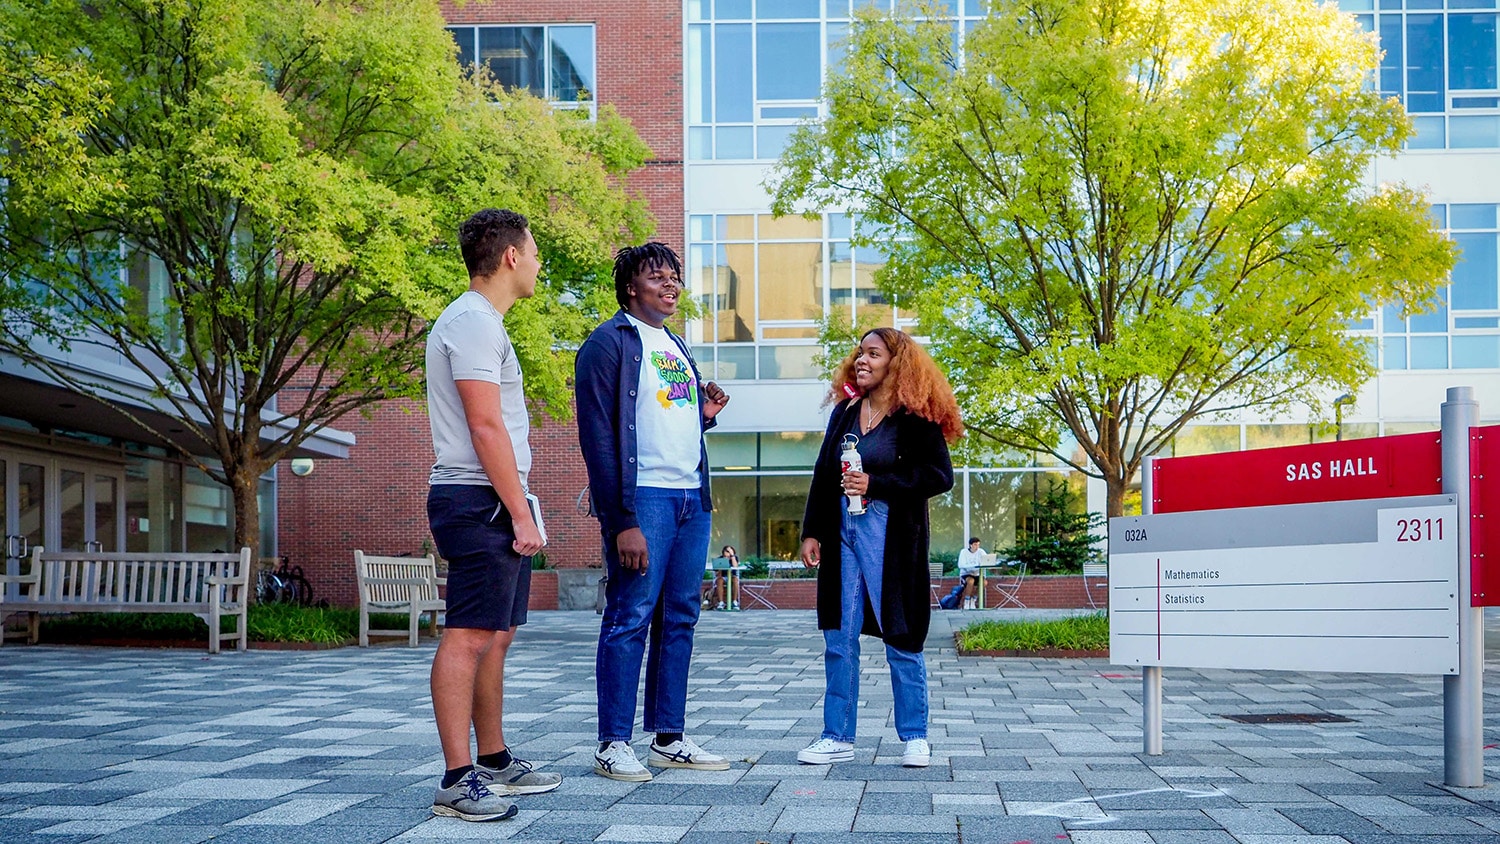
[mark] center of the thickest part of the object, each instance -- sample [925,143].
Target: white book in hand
[536,515]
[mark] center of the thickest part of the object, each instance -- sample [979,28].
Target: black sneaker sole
[450,812]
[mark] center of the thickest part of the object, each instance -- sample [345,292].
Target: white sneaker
[617,761]
[918,754]
[685,753]
[826,751]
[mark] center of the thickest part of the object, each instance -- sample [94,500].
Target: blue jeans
[862,562]
[663,599]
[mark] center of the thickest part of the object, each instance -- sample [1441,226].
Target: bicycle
[285,585]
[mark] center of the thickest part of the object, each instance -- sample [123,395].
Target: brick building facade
[376,500]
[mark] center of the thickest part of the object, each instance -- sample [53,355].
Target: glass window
[992,508]
[732,9]
[464,37]
[791,281]
[1471,51]
[1439,214]
[838,8]
[774,9]
[1390,59]
[731,57]
[700,10]
[1434,321]
[516,56]
[572,63]
[1273,436]
[734,294]
[735,227]
[788,61]
[1472,216]
[1474,131]
[772,140]
[790,449]
[870,303]
[1206,439]
[737,362]
[1429,352]
[700,143]
[1430,133]
[1476,322]
[1424,63]
[790,227]
[206,509]
[734,142]
[732,451]
[153,506]
[70,505]
[1476,352]
[1395,353]
[789,362]
[1476,274]
[837,35]
[700,75]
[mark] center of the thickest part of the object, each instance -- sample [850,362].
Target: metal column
[1150,674]
[1463,694]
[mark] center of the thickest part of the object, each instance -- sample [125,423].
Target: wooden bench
[210,586]
[400,585]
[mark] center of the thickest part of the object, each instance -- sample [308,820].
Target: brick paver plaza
[125,745]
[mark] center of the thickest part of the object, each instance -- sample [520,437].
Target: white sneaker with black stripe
[617,761]
[685,753]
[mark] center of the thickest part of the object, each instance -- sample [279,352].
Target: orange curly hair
[917,383]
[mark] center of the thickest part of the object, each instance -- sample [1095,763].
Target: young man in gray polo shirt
[480,520]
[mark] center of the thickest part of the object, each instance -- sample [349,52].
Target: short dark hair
[485,236]
[631,259]
[973,539]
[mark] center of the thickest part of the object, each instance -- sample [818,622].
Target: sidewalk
[119,745]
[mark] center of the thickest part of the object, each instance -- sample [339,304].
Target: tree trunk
[244,485]
[1114,501]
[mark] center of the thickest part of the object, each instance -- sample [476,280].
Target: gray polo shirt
[468,343]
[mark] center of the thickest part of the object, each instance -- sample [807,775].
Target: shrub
[1082,633]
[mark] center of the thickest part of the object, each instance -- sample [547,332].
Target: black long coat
[923,469]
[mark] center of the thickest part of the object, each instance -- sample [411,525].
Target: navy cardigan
[606,377]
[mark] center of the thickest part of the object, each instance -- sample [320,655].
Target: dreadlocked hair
[631,259]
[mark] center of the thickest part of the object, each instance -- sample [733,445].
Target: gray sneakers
[470,799]
[518,778]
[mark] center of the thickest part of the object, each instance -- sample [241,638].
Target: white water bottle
[849,457]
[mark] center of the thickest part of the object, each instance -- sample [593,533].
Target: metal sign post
[1150,674]
[1463,693]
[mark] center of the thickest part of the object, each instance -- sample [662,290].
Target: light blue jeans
[862,550]
[662,600]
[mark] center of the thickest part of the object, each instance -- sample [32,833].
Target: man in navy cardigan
[642,411]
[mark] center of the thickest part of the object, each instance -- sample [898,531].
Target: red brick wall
[376,500]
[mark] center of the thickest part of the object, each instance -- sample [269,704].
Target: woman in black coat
[872,567]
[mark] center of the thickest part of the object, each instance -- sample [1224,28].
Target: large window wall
[764,282]
[760,491]
[755,68]
[1462,331]
[1439,59]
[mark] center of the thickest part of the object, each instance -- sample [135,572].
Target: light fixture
[302,466]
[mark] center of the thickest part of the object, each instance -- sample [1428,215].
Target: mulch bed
[1039,653]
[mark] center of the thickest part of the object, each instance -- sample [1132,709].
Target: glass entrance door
[23,505]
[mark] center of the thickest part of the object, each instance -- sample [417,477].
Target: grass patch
[265,623]
[1078,633]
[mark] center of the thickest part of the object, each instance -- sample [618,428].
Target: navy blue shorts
[489,584]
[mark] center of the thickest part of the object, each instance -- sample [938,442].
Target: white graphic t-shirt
[668,418]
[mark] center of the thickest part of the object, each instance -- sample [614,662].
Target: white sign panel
[1368,586]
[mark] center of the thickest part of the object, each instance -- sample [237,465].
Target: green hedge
[265,623]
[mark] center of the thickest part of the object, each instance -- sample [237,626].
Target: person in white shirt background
[969,559]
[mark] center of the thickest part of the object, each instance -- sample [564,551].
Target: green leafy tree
[1113,217]
[270,192]
[1056,536]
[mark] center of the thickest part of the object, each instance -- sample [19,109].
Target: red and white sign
[1381,467]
